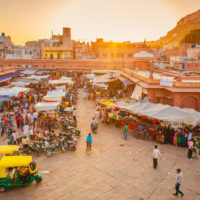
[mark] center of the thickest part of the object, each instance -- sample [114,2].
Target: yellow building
[56,52]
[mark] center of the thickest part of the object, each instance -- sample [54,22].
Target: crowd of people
[141,126]
[20,119]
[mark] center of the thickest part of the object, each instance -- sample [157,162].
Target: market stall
[44,106]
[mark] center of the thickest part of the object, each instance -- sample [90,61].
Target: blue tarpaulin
[5,78]
[4,97]
[40,72]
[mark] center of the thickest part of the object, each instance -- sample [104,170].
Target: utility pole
[4,51]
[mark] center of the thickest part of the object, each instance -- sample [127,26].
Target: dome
[143,54]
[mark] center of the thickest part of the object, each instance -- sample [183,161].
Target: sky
[117,20]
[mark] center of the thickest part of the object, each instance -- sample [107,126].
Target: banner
[167,81]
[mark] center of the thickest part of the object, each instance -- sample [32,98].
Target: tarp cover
[20,83]
[55,95]
[90,76]
[40,72]
[38,77]
[28,71]
[163,112]
[14,91]
[137,93]
[106,78]
[43,106]
[63,80]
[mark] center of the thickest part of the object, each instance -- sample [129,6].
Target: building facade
[61,46]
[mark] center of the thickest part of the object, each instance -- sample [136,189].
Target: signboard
[137,93]
[167,81]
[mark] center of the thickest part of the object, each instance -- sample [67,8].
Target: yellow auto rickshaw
[9,149]
[17,171]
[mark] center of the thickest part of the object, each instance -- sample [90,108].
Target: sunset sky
[117,20]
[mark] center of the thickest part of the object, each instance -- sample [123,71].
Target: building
[194,53]
[168,87]
[82,50]
[60,47]
[117,50]
[5,43]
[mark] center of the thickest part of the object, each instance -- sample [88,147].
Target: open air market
[39,108]
[99,100]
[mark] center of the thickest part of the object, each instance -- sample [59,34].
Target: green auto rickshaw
[17,171]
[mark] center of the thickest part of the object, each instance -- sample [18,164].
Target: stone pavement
[115,169]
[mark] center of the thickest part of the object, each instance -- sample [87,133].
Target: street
[115,169]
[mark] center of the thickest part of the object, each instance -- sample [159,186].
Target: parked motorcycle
[51,149]
[36,147]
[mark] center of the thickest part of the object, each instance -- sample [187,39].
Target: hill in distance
[176,35]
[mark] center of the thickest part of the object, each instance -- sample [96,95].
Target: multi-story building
[5,43]
[82,50]
[60,47]
[117,50]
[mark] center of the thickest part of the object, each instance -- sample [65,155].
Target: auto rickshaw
[17,171]
[9,149]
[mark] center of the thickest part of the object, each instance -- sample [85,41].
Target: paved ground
[115,169]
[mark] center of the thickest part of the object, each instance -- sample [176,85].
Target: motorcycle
[71,145]
[62,144]
[51,149]
[36,148]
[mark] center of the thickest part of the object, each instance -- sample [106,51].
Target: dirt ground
[115,169]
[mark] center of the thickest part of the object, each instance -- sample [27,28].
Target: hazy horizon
[117,20]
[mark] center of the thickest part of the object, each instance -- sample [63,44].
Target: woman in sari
[175,139]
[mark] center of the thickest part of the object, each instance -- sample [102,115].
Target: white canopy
[104,79]
[28,71]
[38,77]
[143,54]
[43,106]
[55,95]
[20,83]
[137,93]
[63,80]
[14,91]
[163,112]
[60,87]
[90,76]
[101,85]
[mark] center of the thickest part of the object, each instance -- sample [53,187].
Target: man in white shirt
[156,155]
[26,129]
[35,115]
[179,180]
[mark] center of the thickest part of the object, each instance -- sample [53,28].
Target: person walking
[125,133]
[179,180]
[89,142]
[198,147]
[190,149]
[74,114]
[156,155]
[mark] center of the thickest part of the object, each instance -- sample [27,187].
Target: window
[51,56]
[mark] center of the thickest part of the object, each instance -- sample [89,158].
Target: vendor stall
[44,106]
